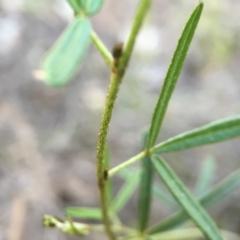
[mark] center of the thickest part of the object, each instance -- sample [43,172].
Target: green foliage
[173,74]
[65,57]
[145,189]
[61,64]
[185,199]
[211,133]
[215,195]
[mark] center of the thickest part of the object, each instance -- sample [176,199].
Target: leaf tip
[200,3]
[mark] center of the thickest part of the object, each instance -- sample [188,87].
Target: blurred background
[48,136]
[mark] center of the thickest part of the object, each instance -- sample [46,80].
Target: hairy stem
[102,138]
[136,26]
[118,65]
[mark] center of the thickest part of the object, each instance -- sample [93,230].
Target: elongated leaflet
[211,133]
[215,195]
[173,74]
[145,189]
[182,195]
[63,60]
[214,132]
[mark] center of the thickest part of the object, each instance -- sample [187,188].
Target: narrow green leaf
[86,213]
[211,133]
[91,7]
[126,191]
[173,74]
[206,176]
[145,193]
[186,200]
[216,194]
[63,60]
[75,5]
[145,189]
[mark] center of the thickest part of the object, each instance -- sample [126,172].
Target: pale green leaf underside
[173,74]
[63,60]
[186,200]
[211,133]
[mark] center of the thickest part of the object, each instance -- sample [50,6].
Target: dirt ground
[48,136]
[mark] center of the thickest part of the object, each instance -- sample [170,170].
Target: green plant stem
[102,138]
[118,71]
[136,26]
[102,49]
[130,161]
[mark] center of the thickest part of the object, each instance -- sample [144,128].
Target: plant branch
[136,26]
[130,161]
[118,66]
[102,138]
[102,49]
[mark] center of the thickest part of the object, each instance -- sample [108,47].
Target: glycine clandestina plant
[59,66]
